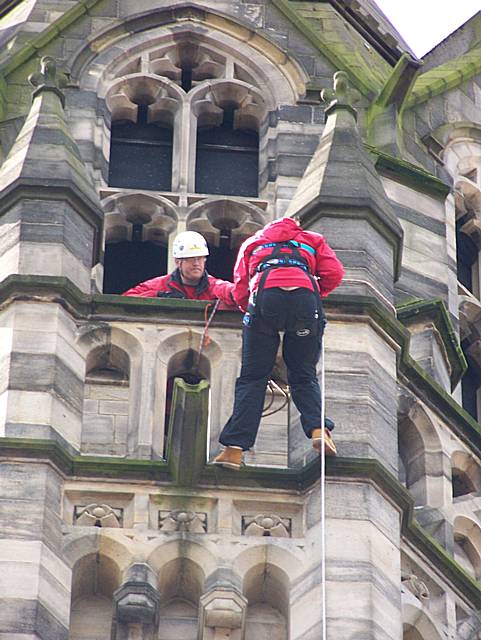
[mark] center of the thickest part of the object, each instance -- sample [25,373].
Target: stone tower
[123,123]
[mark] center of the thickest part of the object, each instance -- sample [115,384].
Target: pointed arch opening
[94,580]
[143,109]
[192,368]
[137,231]
[467,545]
[227,158]
[465,474]
[225,224]
[106,401]
[181,585]
[266,588]
[141,153]
[424,468]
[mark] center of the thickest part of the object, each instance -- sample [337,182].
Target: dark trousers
[298,313]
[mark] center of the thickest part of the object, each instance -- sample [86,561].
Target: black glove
[173,293]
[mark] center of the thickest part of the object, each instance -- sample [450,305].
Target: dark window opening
[227,160]
[128,263]
[462,485]
[141,154]
[466,255]
[221,260]
[470,383]
[186,79]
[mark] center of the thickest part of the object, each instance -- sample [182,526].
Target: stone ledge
[299,480]
[408,173]
[338,306]
[435,311]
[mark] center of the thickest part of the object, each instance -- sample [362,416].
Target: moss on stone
[367,75]
[446,76]
[408,173]
[297,480]
[435,311]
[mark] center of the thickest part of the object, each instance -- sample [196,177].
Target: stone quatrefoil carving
[181,520]
[98,515]
[266,525]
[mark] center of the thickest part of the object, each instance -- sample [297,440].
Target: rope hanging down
[205,339]
[273,387]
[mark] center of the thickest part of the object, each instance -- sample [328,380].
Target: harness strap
[278,259]
[299,245]
[282,262]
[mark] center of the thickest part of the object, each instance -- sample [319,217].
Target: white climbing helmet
[189,244]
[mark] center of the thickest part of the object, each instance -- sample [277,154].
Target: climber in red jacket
[280,276]
[189,280]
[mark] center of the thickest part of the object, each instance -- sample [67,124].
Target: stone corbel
[222,615]
[136,606]
[468,197]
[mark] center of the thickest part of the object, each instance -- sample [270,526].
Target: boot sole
[317,445]
[228,465]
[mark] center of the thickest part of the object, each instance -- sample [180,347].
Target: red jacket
[322,261]
[209,288]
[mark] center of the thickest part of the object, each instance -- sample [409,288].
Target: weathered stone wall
[99,528]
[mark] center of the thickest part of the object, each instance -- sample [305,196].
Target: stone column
[342,197]
[222,615]
[136,605]
[34,580]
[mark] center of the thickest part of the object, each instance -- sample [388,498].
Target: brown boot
[329,446]
[231,458]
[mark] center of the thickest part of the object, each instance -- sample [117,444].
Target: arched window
[424,466]
[470,387]
[221,260]
[106,402]
[462,484]
[467,256]
[227,160]
[126,263]
[192,369]
[181,585]
[225,224]
[141,153]
[266,590]
[465,474]
[467,545]
[137,230]
[94,580]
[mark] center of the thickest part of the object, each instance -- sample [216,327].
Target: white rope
[323,499]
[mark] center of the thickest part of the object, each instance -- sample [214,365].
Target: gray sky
[425,23]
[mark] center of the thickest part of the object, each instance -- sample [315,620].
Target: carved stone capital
[222,608]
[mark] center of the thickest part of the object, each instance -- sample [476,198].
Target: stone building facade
[123,123]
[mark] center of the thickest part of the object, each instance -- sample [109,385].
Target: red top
[209,288]
[323,262]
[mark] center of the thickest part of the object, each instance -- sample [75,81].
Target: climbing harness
[279,257]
